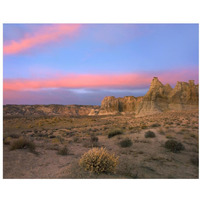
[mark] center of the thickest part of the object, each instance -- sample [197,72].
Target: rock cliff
[159,98]
[112,105]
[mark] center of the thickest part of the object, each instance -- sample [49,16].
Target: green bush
[98,161]
[150,134]
[126,143]
[22,143]
[114,133]
[174,146]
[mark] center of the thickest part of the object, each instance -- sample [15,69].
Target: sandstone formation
[112,105]
[159,98]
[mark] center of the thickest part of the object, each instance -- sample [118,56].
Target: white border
[91,11]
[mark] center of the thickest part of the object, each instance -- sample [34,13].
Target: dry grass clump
[114,133]
[195,160]
[22,143]
[143,127]
[150,134]
[76,139]
[174,146]
[98,160]
[7,140]
[126,143]
[193,135]
[90,144]
[63,151]
[13,135]
[94,138]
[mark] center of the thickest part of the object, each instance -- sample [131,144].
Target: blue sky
[46,51]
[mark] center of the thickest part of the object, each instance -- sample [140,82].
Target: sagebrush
[150,134]
[114,133]
[98,160]
[23,143]
[126,143]
[174,146]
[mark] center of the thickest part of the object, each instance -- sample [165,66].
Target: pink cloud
[46,34]
[78,81]
[98,81]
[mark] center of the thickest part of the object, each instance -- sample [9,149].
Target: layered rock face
[156,99]
[184,96]
[43,110]
[112,105]
[159,98]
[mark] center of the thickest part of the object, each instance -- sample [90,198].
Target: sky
[83,63]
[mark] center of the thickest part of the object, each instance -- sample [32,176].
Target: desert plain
[145,158]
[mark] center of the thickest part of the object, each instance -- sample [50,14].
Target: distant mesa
[159,98]
[47,110]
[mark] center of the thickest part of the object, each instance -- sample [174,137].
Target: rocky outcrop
[47,110]
[184,96]
[159,98]
[156,99]
[112,105]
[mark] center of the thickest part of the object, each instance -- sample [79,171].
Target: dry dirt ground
[146,158]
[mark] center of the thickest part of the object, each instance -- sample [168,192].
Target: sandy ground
[146,158]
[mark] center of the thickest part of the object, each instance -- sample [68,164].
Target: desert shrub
[169,123]
[150,134]
[155,125]
[174,146]
[76,139]
[22,143]
[98,160]
[55,140]
[7,140]
[63,151]
[52,136]
[94,138]
[195,160]
[90,144]
[143,127]
[193,135]
[13,135]
[126,143]
[114,133]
